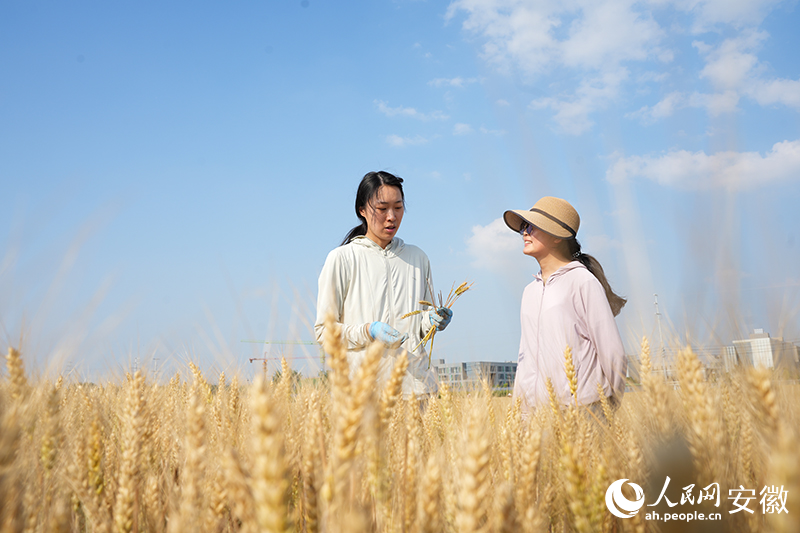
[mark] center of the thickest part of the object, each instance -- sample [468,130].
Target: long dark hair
[616,301]
[367,190]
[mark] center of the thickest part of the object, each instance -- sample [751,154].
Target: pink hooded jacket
[571,309]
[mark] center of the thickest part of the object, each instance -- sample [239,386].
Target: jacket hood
[572,265]
[395,246]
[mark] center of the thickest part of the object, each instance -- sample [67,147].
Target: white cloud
[496,133]
[516,34]
[730,64]
[462,129]
[596,41]
[778,91]
[737,13]
[665,108]
[714,104]
[593,37]
[408,112]
[572,114]
[502,103]
[727,170]
[665,56]
[397,140]
[717,104]
[733,69]
[534,36]
[733,66]
[609,33]
[452,82]
[652,76]
[494,246]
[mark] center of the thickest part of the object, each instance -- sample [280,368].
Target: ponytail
[357,231]
[616,301]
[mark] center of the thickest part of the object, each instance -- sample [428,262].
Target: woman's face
[538,243]
[383,214]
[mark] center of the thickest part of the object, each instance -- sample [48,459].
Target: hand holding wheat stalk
[454,294]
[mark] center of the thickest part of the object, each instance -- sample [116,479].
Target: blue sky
[173,176]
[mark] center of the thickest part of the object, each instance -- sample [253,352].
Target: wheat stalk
[134,455]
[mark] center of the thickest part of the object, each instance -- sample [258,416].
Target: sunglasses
[526,227]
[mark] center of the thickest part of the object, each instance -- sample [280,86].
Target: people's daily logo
[621,506]
[773,501]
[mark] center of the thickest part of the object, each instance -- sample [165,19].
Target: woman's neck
[379,242]
[549,264]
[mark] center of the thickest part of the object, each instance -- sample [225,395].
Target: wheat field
[343,455]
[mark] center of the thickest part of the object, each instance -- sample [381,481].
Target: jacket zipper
[539,322]
[389,291]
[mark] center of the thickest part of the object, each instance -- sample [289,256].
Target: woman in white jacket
[373,278]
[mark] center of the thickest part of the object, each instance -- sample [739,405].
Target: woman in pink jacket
[569,303]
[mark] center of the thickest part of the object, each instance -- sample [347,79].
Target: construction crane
[265,358]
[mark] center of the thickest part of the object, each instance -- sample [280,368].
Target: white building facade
[762,350]
[500,375]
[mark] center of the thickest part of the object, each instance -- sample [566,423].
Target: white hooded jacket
[361,283]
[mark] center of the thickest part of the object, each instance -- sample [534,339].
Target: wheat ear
[475,482]
[569,368]
[192,473]
[133,419]
[655,390]
[705,430]
[311,464]
[341,474]
[393,389]
[766,401]
[16,373]
[269,482]
[430,503]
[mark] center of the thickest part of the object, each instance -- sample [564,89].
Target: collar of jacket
[572,265]
[394,247]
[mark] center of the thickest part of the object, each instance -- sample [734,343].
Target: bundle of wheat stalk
[454,294]
[342,454]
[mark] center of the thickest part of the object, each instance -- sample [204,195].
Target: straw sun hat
[552,215]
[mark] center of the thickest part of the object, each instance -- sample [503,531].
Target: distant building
[633,367]
[500,375]
[762,350]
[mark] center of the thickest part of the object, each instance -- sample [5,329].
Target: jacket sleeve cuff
[358,337]
[425,324]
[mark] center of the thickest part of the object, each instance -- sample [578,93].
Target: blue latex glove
[441,317]
[381,331]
